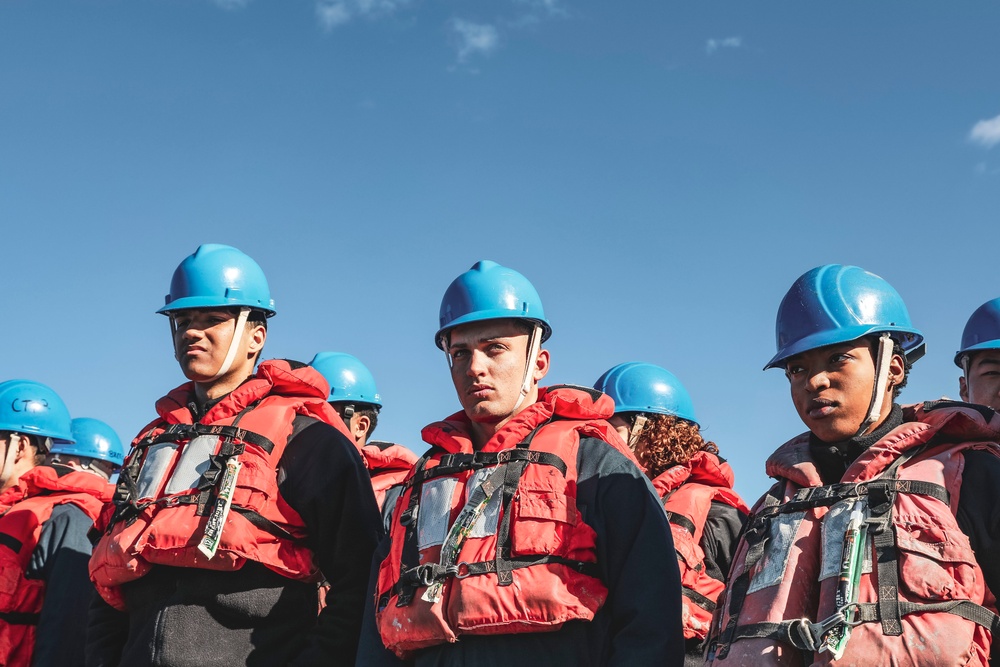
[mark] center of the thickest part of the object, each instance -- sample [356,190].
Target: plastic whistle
[217,520]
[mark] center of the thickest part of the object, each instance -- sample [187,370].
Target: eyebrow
[988,361]
[484,339]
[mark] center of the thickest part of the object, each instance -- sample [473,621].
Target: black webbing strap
[19,618]
[682,521]
[410,557]
[756,534]
[264,523]
[231,432]
[11,542]
[697,598]
[451,464]
[823,496]
[881,497]
[807,636]
[432,573]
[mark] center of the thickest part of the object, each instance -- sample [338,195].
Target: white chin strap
[965,371]
[234,344]
[882,362]
[633,434]
[8,459]
[534,345]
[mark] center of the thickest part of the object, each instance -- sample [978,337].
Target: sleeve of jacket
[722,534]
[371,651]
[60,559]
[323,478]
[107,630]
[636,556]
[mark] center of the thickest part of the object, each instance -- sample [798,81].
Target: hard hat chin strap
[8,460]
[882,362]
[638,424]
[534,345]
[234,344]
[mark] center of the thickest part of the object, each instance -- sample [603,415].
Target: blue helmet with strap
[33,408]
[640,387]
[489,291]
[218,276]
[834,304]
[982,331]
[350,380]
[95,440]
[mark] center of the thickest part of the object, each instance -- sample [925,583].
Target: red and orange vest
[491,541]
[168,487]
[41,489]
[921,600]
[688,491]
[388,465]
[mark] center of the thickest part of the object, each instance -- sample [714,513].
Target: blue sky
[662,171]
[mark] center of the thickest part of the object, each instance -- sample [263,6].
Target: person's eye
[839,358]
[496,348]
[791,370]
[459,354]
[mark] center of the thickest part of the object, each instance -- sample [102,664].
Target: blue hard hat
[982,331]
[489,291]
[350,380]
[835,304]
[218,276]
[95,440]
[640,387]
[33,408]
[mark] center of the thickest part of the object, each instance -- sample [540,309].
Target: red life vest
[490,541]
[41,489]
[168,487]
[921,600]
[388,465]
[688,491]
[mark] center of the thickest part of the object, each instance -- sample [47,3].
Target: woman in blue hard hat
[879,543]
[44,588]
[234,500]
[655,416]
[527,535]
[979,357]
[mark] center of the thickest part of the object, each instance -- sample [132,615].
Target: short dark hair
[369,410]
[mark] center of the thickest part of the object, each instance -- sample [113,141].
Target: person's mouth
[820,407]
[479,391]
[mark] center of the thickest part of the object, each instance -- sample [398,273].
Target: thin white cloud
[474,38]
[713,45]
[333,13]
[986,133]
[551,7]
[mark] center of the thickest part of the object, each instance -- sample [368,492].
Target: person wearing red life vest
[879,542]
[979,357]
[234,501]
[654,414]
[356,399]
[527,535]
[44,588]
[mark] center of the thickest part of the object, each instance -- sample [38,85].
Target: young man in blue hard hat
[356,399]
[979,357]
[234,501]
[522,537]
[44,588]
[879,543]
[654,414]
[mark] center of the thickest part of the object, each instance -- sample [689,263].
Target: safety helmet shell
[489,291]
[636,386]
[95,440]
[982,331]
[350,380]
[218,276]
[836,303]
[33,408]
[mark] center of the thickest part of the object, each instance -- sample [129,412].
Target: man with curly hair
[655,416]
